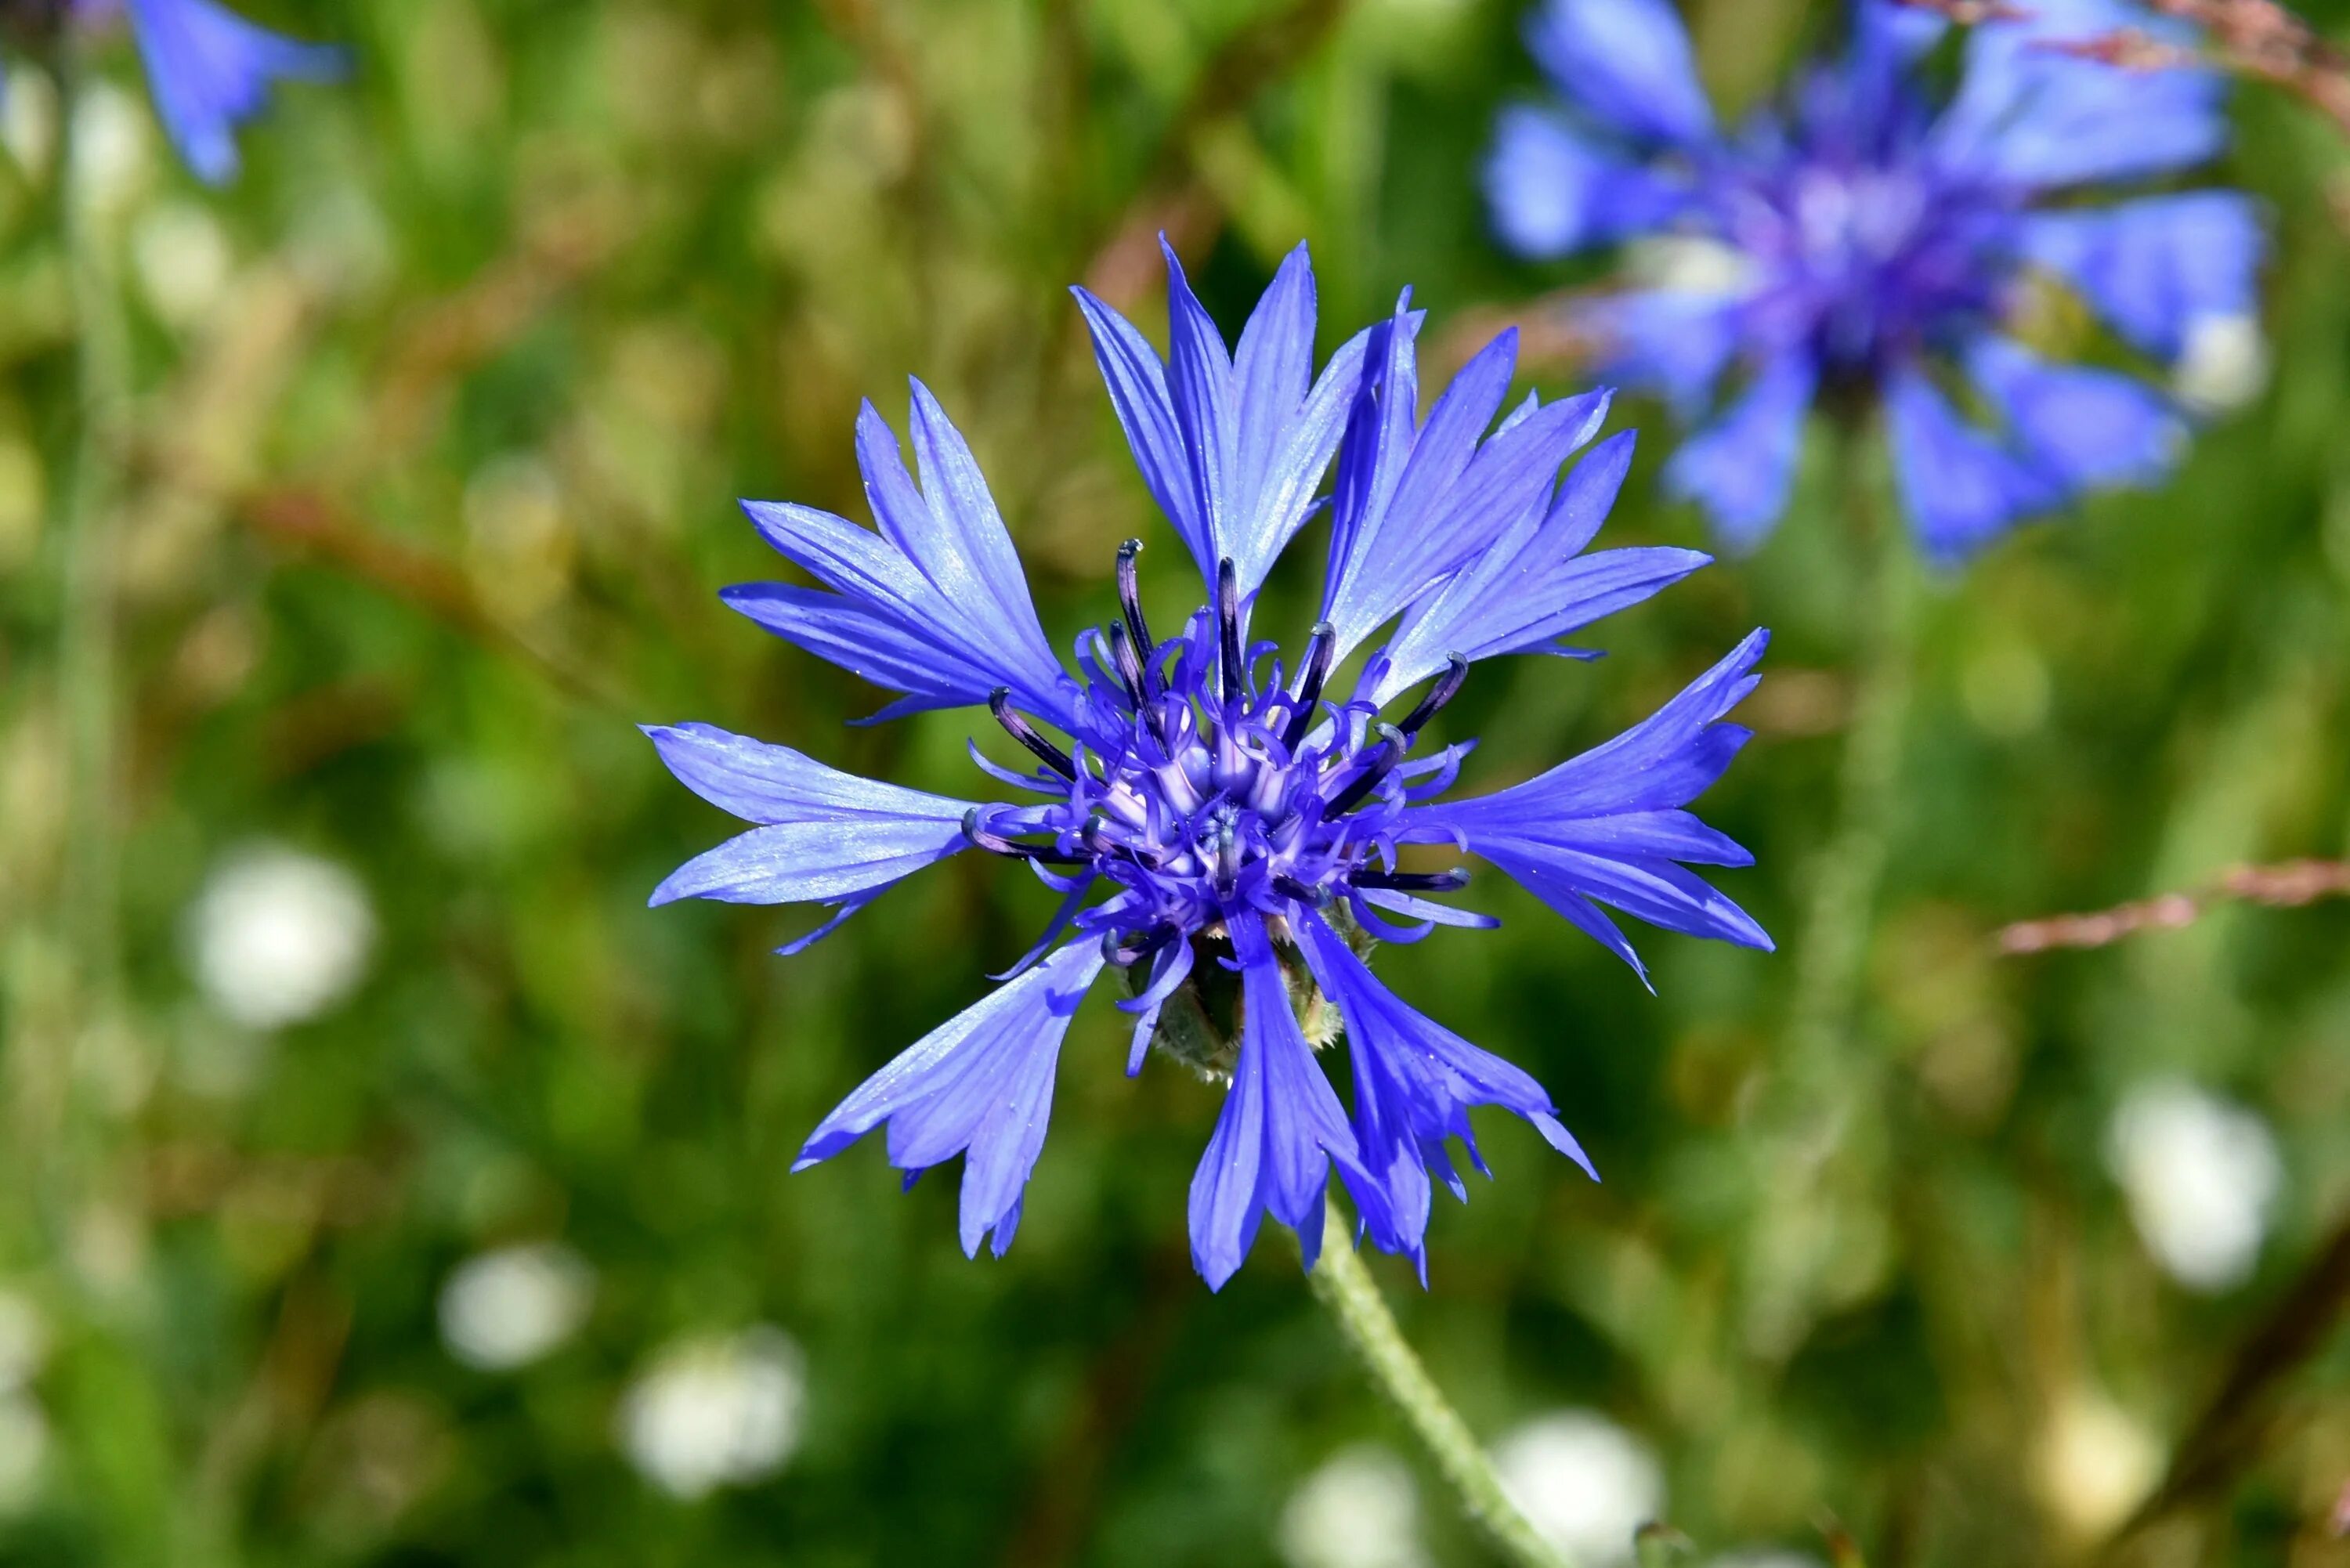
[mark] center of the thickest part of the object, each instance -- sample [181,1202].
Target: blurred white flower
[1583,1481]
[114,140]
[717,1412]
[2201,1175]
[1765,1557]
[23,1341]
[1688,264]
[29,118]
[1360,1509]
[277,935]
[2096,1463]
[507,1308]
[182,259]
[2223,365]
[23,1447]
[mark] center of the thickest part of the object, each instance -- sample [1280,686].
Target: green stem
[1834,946]
[86,633]
[1343,1285]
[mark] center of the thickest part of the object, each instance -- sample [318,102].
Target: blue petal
[1676,342]
[1607,826]
[2154,267]
[1233,447]
[2087,428]
[934,604]
[2035,116]
[825,836]
[1280,1131]
[210,71]
[1553,193]
[1741,467]
[1961,487]
[981,1084]
[1415,506]
[1626,61]
[1533,586]
[1415,1083]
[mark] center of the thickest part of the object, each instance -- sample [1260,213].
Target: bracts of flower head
[1221,824]
[1869,244]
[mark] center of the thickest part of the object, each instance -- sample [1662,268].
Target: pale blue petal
[1629,62]
[1552,192]
[980,1085]
[2087,428]
[1961,487]
[2156,267]
[210,70]
[1740,468]
[2035,116]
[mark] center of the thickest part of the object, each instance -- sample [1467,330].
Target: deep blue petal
[1281,1130]
[210,70]
[1415,1083]
[1629,62]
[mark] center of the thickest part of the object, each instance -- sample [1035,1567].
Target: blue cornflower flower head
[1224,829]
[1865,238]
[210,70]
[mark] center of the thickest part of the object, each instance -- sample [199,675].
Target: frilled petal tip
[1280,1133]
[210,70]
[1626,62]
[1415,1083]
[980,1085]
[1608,827]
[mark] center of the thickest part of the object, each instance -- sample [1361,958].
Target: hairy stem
[1343,1285]
[86,631]
[1834,946]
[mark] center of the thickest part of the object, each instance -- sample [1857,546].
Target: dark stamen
[1228,622]
[1448,686]
[1130,597]
[1379,763]
[1289,886]
[996,844]
[1313,669]
[1129,669]
[1450,881]
[999,702]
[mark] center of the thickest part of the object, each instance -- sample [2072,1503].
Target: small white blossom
[717,1412]
[1360,1509]
[2201,1175]
[1583,1481]
[277,935]
[507,1308]
[2224,364]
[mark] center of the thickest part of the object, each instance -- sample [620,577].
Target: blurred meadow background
[384,1183]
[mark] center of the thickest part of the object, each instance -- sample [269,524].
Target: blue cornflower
[1859,239]
[1223,829]
[210,69]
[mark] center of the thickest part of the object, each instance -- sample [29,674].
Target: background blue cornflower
[1863,238]
[210,70]
[1206,810]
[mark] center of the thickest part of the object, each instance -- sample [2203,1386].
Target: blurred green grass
[430,496]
